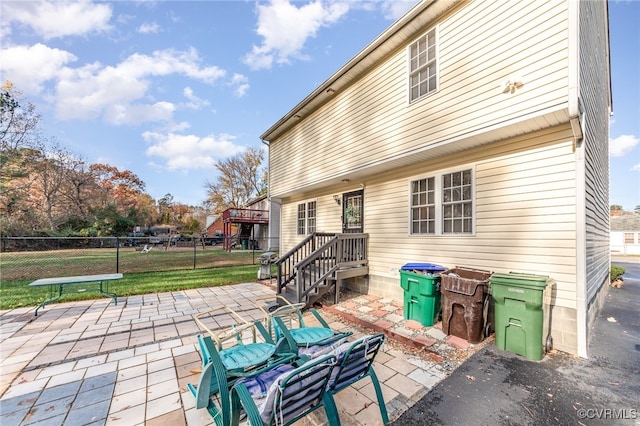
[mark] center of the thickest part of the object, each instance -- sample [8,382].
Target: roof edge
[354,65]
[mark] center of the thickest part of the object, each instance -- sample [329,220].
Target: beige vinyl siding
[481,44]
[525,214]
[328,218]
[594,93]
[525,217]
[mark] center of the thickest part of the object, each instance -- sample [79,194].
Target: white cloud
[622,145]
[54,19]
[240,83]
[119,114]
[636,168]
[29,67]
[195,102]
[285,28]
[93,90]
[149,28]
[190,151]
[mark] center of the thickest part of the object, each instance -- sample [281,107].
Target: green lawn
[153,272]
[17,293]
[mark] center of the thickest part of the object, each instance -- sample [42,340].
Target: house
[250,224]
[469,133]
[625,234]
[214,225]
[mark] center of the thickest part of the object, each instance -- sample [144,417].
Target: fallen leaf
[611,319]
[470,377]
[550,395]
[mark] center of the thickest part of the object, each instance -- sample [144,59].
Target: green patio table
[57,286]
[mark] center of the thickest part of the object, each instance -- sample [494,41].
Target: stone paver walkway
[97,363]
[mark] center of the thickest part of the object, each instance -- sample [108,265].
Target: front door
[352,211]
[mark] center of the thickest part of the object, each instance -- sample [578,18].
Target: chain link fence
[31,258]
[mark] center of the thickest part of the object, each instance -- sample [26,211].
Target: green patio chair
[286,320]
[238,344]
[221,370]
[282,398]
[354,363]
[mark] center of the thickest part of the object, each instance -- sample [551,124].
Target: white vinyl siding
[594,93]
[479,47]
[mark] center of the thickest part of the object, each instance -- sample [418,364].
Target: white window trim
[408,66]
[315,217]
[438,174]
[306,215]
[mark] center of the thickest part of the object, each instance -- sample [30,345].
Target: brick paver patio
[93,362]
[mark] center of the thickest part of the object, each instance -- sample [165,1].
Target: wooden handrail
[317,258]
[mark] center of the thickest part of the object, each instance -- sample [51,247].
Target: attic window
[423,75]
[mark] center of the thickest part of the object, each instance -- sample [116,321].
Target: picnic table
[58,285]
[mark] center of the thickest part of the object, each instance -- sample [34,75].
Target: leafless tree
[241,178]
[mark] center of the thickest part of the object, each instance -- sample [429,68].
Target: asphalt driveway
[495,387]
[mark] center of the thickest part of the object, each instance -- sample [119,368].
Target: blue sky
[167,89]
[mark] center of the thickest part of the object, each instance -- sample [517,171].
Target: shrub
[616,272]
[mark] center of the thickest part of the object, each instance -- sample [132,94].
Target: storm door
[352,212]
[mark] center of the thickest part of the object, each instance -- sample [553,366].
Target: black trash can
[465,303]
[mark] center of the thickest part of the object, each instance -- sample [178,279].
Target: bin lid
[425,267]
[517,279]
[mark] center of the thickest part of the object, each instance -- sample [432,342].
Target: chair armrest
[241,398]
[286,333]
[266,336]
[319,318]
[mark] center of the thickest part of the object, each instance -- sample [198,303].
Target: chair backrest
[290,396]
[355,360]
[288,312]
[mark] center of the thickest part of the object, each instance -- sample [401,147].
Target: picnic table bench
[58,284]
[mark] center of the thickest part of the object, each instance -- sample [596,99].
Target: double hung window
[423,70]
[442,204]
[306,223]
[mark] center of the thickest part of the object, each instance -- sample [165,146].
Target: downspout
[576,117]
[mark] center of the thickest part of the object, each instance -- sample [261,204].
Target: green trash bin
[520,313]
[421,285]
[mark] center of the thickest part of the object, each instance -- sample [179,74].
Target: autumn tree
[50,172]
[18,119]
[78,189]
[165,209]
[18,126]
[240,179]
[45,187]
[118,187]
